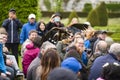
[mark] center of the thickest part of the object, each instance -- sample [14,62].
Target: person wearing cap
[101,36]
[27,27]
[54,21]
[72,64]
[12,26]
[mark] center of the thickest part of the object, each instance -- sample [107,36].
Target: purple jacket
[29,55]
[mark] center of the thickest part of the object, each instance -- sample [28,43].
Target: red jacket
[29,55]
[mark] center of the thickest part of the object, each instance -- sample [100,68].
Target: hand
[3,75]
[8,73]
[9,62]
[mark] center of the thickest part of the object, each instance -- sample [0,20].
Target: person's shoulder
[6,20]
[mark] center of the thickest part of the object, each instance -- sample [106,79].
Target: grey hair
[46,45]
[115,49]
[109,41]
[102,46]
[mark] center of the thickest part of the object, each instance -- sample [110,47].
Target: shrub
[101,11]
[72,15]
[112,7]
[87,7]
[93,18]
[98,16]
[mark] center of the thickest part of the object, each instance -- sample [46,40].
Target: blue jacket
[13,31]
[25,31]
[2,64]
[98,63]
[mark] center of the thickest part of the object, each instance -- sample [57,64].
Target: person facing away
[110,71]
[49,61]
[61,74]
[12,26]
[112,56]
[30,25]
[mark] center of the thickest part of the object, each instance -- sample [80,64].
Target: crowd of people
[83,54]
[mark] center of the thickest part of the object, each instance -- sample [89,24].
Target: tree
[93,18]
[23,9]
[98,16]
[102,14]
[58,6]
[87,7]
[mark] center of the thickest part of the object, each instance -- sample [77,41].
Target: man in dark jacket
[113,56]
[12,26]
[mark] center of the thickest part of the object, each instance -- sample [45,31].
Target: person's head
[41,26]
[79,44]
[36,41]
[111,71]
[101,47]
[72,64]
[89,33]
[109,42]
[49,61]
[115,49]
[102,35]
[12,13]
[46,45]
[74,20]
[77,35]
[31,18]
[32,34]
[56,17]
[4,35]
[61,74]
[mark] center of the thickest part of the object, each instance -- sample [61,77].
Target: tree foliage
[98,16]
[93,18]
[87,7]
[23,9]
[102,14]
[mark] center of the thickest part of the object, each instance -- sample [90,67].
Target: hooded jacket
[29,55]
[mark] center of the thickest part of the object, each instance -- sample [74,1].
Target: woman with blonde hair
[49,61]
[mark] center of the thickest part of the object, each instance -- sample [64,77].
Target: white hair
[115,49]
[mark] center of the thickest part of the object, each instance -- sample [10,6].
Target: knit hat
[72,64]
[61,74]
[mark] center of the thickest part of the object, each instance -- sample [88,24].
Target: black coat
[12,32]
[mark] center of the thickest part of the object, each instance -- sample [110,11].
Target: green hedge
[112,7]
[23,9]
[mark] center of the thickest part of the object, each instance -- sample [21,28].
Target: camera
[88,50]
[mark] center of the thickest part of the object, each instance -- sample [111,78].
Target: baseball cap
[61,74]
[57,14]
[31,16]
[72,64]
[101,32]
